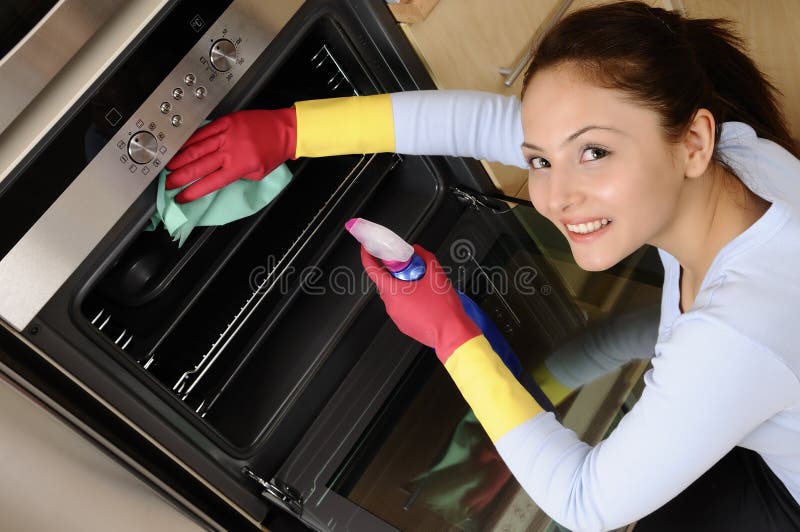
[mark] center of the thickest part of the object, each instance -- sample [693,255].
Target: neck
[712,210]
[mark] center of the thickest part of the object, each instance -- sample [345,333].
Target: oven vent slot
[324,60]
[118,334]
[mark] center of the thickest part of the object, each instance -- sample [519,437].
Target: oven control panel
[186,97]
[64,235]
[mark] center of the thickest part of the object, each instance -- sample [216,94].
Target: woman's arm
[474,124]
[600,349]
[710,387]
[763,165]
[250,144]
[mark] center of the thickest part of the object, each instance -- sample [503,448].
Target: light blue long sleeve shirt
[726,373]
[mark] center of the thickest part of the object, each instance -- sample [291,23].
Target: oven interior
[234,323]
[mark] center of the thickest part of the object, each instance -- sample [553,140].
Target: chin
[595,262]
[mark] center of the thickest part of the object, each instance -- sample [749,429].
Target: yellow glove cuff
[554,390]
[499,401]
[338,126]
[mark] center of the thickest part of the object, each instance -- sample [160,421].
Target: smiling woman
[627,174]
[629,143]
[637,126]
[658,84]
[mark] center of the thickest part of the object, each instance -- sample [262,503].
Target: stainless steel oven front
[37,39]
[253,368]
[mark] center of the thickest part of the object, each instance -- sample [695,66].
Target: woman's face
[599,167]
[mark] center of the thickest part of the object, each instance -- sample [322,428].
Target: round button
[200,93]
[177,93]
[189,79]
[166,107]
[142,147]
[177,120]
[223,55]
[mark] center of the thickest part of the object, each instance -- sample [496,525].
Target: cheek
[538,194]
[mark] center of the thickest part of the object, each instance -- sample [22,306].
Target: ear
[698,143]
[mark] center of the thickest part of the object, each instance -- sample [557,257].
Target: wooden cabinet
[466,43]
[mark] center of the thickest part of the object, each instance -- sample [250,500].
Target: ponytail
[740,92]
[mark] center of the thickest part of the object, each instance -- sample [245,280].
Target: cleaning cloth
[232,202]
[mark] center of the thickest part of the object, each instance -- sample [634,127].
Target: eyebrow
[572,137]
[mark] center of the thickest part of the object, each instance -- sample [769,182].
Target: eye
[594,153]
[537,163]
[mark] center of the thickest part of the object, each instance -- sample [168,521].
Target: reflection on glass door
[425,463]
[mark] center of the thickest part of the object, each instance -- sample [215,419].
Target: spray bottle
[382,243]
[400,260]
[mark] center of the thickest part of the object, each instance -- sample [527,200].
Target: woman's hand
[427,310]
[244,144]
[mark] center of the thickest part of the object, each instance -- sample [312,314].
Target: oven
[252,374]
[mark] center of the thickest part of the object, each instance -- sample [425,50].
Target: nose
[564,192]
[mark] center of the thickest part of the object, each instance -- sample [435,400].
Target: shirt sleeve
[605,347]
[475,124]
[709,387]
[764,166]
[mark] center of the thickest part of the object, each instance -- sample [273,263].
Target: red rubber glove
[427,310]
[496,476]
[244,144]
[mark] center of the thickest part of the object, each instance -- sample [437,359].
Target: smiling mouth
[588,227]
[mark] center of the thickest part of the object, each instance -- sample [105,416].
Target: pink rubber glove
[244,144]
[427,310]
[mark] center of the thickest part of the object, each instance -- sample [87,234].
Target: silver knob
[177,93]
[200,93]
[223,55]
[142,147]
[189,79]
[177,120]
[166,107]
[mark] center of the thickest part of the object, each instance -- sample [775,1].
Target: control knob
[223,55]
[142,147]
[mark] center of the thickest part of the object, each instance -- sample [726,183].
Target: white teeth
[588,227]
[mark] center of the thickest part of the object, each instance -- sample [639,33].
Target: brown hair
[669,63]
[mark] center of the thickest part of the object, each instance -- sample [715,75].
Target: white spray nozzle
[380,242]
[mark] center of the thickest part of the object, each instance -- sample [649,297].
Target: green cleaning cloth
[232,202]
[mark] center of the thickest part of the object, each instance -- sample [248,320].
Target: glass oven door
[416,458]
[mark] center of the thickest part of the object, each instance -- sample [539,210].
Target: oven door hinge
[279,493]
[495,202]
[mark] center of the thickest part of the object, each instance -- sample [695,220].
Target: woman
[637,126]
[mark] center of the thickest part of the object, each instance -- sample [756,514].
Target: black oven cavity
[217,322]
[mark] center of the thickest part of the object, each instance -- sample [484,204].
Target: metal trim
[41,398]
[43,52]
